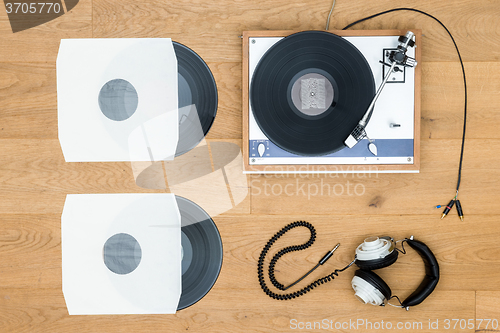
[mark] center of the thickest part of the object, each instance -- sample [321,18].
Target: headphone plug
[328,255]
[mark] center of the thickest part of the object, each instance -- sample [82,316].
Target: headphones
[376,253]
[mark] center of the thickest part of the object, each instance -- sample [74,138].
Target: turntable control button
[261,149]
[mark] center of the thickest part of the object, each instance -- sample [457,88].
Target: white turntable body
[391,127]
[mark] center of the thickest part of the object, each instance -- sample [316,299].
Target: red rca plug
[448,208]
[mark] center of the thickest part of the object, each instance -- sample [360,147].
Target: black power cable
[274,260]
[460,213]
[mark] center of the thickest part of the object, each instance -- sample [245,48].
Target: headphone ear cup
[370,288]
[378,263]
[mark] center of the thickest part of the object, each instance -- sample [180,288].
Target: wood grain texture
[487,311]
[31,248]
[28,100]
[41,44]
[236,300]
[34,179]
[361,193]
[21,312]
[213,27]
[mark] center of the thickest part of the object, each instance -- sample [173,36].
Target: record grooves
[311,57]
[202,252]
[196,86]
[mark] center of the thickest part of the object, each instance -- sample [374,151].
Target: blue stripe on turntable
[385,148]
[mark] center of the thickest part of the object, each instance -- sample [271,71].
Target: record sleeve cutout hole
[312,94]
[118,100]
[122,253]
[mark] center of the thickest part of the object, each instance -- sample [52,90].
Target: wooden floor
[34,178]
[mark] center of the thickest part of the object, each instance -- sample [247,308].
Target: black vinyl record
[197,98]
[202,252]
[309,91]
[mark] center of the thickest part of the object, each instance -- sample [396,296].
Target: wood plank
[227,124]
[28,100]
[360,193]
[37,179]
[237,281]
[214,32]
[30,247]
[34,176]
[464,22]
[443,100]
[487,311]
[28,104]
[455,245]
[44,309]
[41,43]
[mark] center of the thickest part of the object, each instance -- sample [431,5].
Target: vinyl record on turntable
[197,98]
[202,252]
[309,91]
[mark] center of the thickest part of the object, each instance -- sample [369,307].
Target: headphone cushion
[376,281]
[431,278]
[378,263]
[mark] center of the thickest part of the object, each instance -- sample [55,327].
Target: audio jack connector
[448,208]
[459,210]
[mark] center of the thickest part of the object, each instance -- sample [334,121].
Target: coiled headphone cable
[274,260]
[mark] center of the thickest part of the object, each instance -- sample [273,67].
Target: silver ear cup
[365,292]
[374,248]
